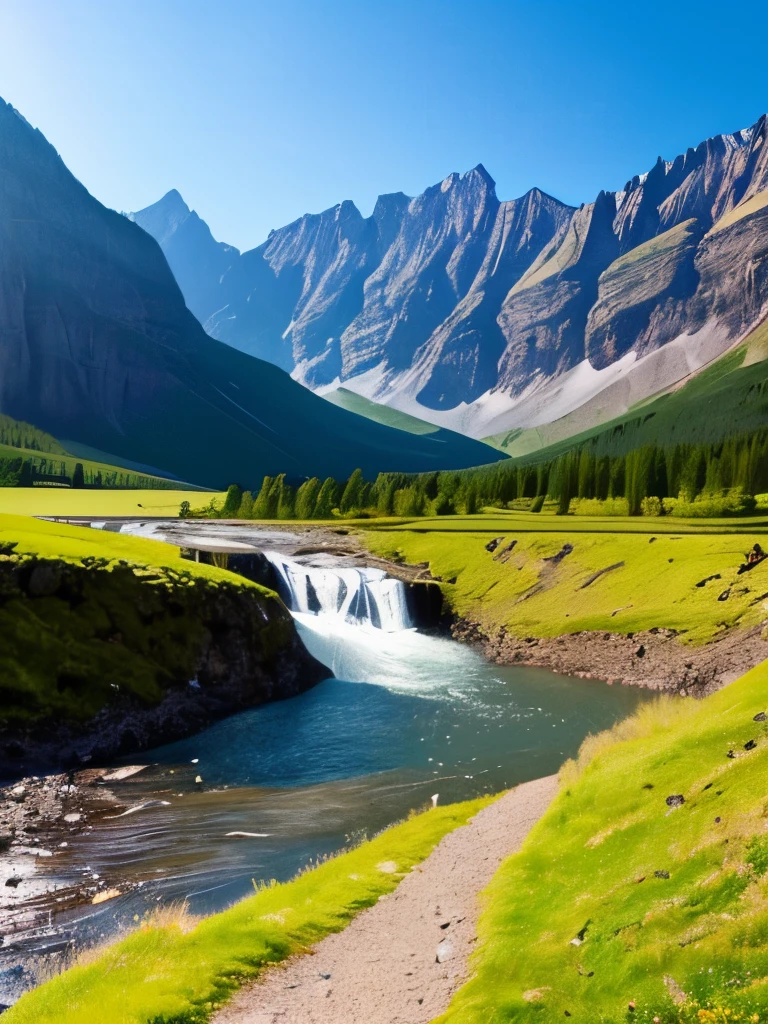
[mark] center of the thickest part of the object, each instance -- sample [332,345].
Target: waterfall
[366,597]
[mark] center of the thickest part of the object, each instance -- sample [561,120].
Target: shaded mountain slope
[97,346]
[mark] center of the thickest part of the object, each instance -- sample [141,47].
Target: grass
[166,975]
[86,616]
[655,586]
[621,908]
[353,402]
[42,461]
[66,501]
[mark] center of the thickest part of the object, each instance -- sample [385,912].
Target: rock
[760,717]
[661,874]
[676,800]
[445,951]
[18,794]
[493,544]
[750,744]
[107,894]
[73,817]
[13,882]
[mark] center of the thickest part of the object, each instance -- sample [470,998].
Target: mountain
[193,254]
[488,316]
[98,348]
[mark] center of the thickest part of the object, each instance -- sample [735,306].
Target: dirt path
[400,961]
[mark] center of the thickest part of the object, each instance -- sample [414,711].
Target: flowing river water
[406,717]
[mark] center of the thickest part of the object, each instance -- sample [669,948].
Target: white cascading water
[365,597]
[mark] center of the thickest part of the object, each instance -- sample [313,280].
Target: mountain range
[98,348]
[490,316]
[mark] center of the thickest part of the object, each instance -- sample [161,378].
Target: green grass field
[352,402]
[654,587]
[120,612]
[167,975]
[622,908]
[66,501]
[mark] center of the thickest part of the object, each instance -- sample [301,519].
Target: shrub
[651,506]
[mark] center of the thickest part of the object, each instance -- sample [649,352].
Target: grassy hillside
[729,396]
[65,501]
[85,615]
[166,974]
[346,399]
[651,580]
[642,895]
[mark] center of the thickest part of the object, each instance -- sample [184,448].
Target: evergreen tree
[351,498]
[261,501]
[232,501]
[306,498]
[286,502]
[385,506]
[245,509]
[326,499]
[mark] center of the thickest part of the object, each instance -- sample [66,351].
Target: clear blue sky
[260,111]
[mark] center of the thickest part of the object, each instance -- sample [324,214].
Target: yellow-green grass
[496,520]
[618,900]
[132,615]
[66,501]
[74,543]
[520,590]
[162,974]
[744,209]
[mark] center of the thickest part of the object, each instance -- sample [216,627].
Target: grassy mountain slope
[346,399]
[729,396]
[624,906]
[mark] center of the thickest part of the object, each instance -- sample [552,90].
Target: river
[407,718]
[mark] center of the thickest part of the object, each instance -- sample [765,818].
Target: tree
[352,496]
[232,501]
[306,498]
[286,501]
[185,510]
[326,499]
[78,477]
[245,509]
[25,474]
[261,501]
[385,505]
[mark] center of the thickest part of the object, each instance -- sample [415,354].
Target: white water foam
[365,597]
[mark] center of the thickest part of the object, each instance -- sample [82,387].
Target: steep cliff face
[454,297]
[97,345]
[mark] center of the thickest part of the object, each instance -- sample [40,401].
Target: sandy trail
[383,968]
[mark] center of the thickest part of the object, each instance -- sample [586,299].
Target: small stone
[731,754]
[14,882]
[676,800]
[750,744]
[444,951]
[198,780]
[661,874]
[717,821]
[760,717]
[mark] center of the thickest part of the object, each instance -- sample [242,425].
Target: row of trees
[29,472]
[682,471]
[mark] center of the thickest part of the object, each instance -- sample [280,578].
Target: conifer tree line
[644,478]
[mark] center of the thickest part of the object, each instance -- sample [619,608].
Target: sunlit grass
[621,907]
[169,972]
[651,582]
[68,501]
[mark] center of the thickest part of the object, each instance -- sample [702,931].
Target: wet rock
[750,744]
[676,800]
[724,595]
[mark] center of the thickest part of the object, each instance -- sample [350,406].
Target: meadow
[67,501]
[618,576]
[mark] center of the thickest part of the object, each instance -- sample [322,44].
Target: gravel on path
[400,961]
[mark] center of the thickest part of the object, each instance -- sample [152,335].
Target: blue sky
[261,111]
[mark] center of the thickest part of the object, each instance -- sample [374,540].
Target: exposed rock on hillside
[455,297]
